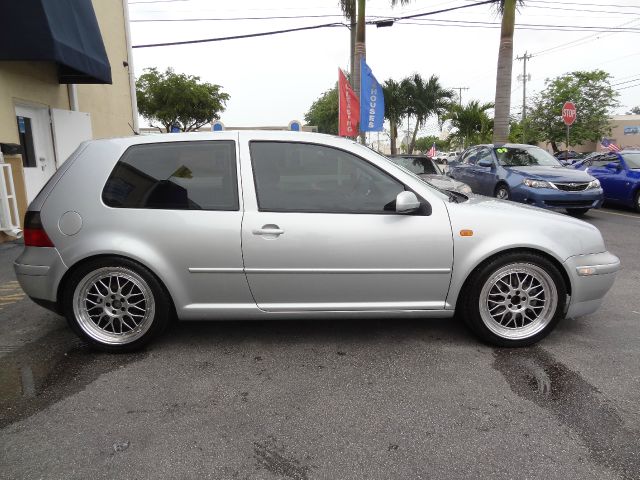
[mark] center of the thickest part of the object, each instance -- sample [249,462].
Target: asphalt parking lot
[379,399]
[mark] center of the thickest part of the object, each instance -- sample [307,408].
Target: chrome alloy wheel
[518,301]
[113,305]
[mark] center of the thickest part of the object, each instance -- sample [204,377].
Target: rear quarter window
[198,175]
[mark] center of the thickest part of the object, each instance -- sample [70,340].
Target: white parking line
[637,217]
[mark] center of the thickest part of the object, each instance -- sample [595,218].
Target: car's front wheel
[502,192]
[115,304]
[636,203]
[514,300]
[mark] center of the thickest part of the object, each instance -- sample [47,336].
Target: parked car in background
[131,232]
[427,169]
[527,174]
[569,156]
[619,175]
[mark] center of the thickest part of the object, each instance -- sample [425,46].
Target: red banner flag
[349,108]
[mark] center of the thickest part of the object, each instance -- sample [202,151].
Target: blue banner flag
[371,100]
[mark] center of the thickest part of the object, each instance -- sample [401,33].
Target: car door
[320,233]
[608,170]
[462,171]
[484,177]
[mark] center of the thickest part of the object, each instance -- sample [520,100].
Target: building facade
[50,101]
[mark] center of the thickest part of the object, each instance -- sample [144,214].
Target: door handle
[268,230]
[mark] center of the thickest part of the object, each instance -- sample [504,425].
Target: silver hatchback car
[131,232]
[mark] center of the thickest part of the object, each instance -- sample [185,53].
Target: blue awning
[62,31]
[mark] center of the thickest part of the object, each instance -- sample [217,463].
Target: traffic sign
[569,113]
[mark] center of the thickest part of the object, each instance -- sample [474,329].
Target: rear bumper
[553,199]
[39,271]
[592,276]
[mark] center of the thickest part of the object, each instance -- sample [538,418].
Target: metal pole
[566,151]
[524,97]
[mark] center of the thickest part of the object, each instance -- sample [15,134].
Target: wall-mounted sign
[632,130]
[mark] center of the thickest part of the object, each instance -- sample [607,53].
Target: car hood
[553,174]
[443,182]
[522,225]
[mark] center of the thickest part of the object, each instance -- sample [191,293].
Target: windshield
[418,166]
[525,157]
[632,160]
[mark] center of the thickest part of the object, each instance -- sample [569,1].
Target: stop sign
[568,113]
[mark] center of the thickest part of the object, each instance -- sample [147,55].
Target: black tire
[470,304]
[158,306]
[500,188]
[636,202]
[577,212]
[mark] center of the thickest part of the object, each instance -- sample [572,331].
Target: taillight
[34,234]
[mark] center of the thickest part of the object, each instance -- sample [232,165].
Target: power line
[534,27]
[236,37]
[629,86]
[585,4]
[627,81]
[312,27]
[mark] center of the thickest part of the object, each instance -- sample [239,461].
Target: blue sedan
[527,174]
[619,175]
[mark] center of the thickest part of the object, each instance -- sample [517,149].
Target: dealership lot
[327,399]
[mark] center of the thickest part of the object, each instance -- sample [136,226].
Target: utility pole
[460,93]
[524,79]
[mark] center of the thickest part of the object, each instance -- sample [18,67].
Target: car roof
[277,135]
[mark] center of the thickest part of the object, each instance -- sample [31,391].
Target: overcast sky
[273,80]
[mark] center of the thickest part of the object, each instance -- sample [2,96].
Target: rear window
[175,176]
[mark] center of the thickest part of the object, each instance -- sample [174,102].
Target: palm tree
[471,123]
[425,98]
[395,106]
[507,9]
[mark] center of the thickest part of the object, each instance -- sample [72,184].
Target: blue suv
[527,174]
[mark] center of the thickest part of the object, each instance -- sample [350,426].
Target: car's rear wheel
[514,300]
[636,202]
[577,212]
[115,304]
[502,192]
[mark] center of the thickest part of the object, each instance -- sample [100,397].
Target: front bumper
[592,276]
[39,271]
[553,199]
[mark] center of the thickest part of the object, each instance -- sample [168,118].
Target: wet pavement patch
[272,458]
[41,373]
[534,374]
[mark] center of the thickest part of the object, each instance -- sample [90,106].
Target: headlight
[594,184]
[466,189]
[536,183]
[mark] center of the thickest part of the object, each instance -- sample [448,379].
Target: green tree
[423,144]
[177,99]
[507,9]
[516,131]
[324,112]
[424,99]
[395,106]
[470,123]
[594,98]
[634,111]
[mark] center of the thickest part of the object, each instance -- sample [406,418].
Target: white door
[35,138]
[70,129]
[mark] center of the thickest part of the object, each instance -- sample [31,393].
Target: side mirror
[407,202]
[485,162]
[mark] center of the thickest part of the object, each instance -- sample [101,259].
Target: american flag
[609,145]
[432,151]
